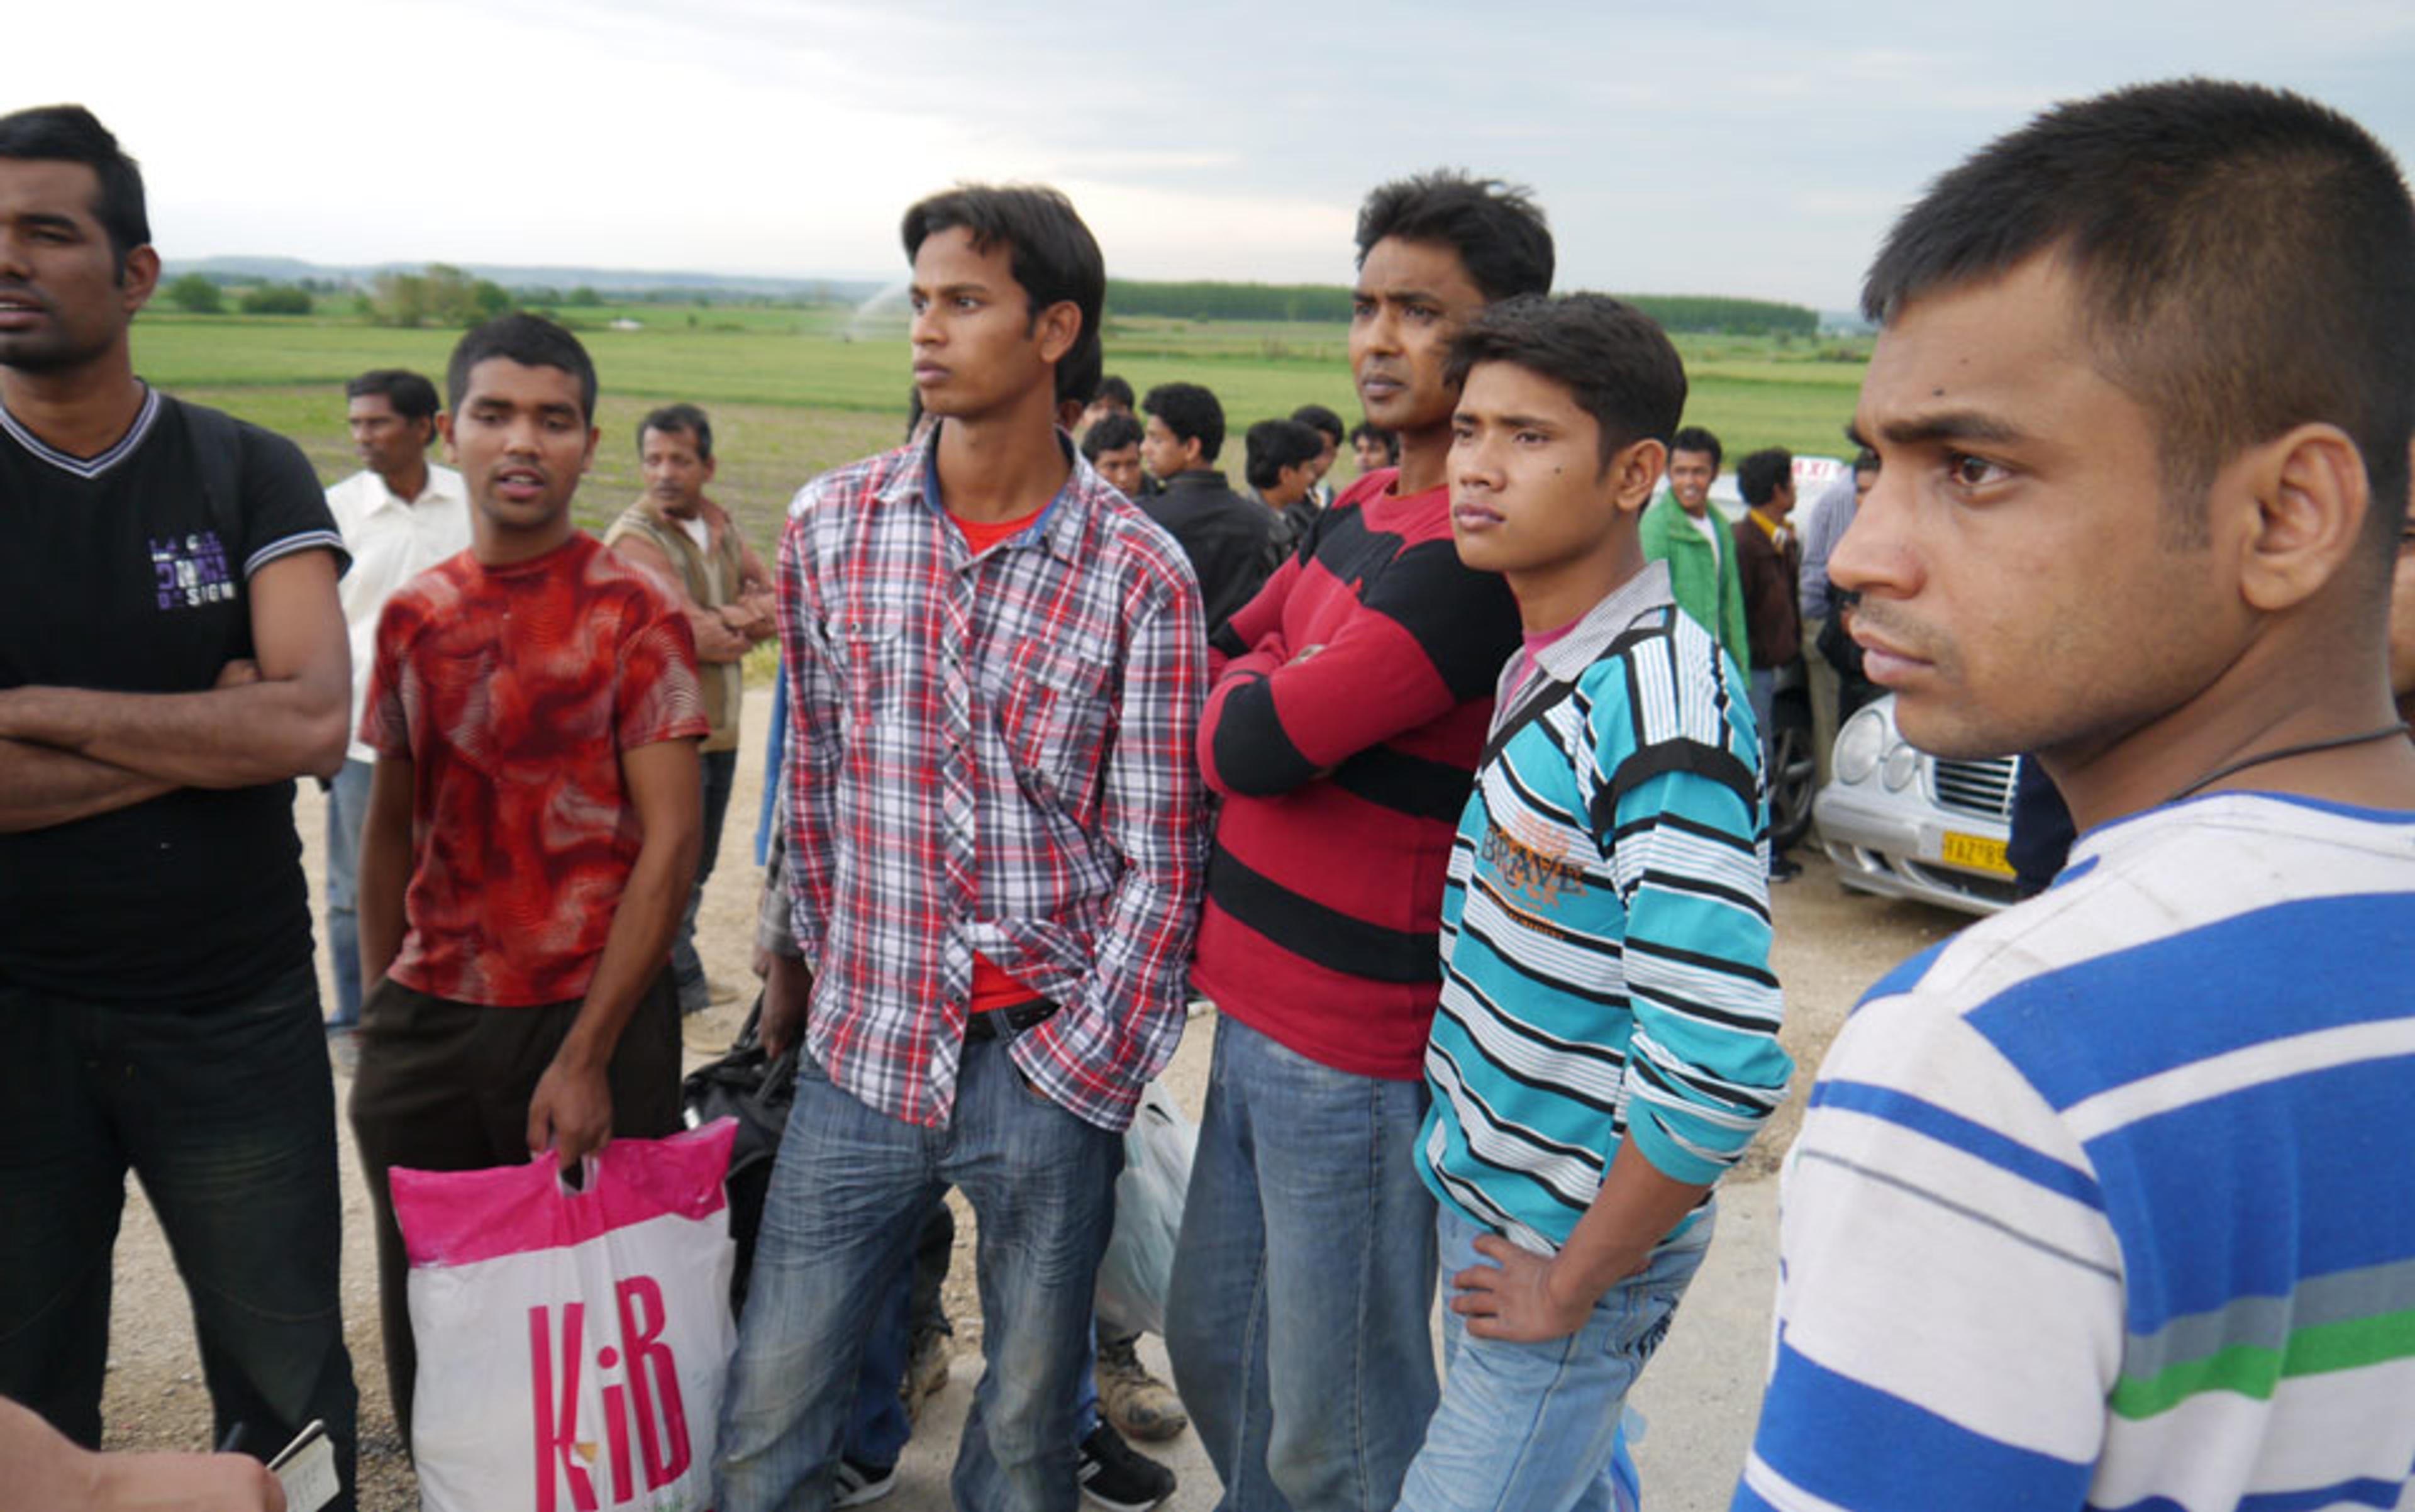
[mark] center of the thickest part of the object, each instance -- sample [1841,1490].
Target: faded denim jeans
[1297,1316]
[848,1197]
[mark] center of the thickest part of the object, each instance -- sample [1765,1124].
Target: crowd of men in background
[1448,789]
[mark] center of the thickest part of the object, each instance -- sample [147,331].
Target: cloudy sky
[1750,148]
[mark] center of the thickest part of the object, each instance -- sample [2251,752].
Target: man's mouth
[519,485]
[1886,660]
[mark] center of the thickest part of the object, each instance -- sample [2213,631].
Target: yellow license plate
[1975,853]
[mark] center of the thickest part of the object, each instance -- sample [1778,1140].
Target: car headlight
[1902,764]
[1860,745]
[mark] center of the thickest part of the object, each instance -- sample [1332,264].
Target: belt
[1006,1022]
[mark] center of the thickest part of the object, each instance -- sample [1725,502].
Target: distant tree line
[1199,300]
[438,294]
[200,294]
[1720,314]
[1204,301]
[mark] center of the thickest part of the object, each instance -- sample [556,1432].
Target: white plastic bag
[572,1345]
[1149,1214]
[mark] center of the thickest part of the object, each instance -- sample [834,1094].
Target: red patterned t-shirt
[514,691]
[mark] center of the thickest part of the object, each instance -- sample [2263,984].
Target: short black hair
[1614,360]
[1759,474]
[2245,260]
[1055,257]
[1367,429]
[1318,418]
[680,419]
[1191,414]
[1695,438]
[71,134]
[1496,229]
[1113,433]
[413,396]
[530,340]
[1272,445]
[1112,387]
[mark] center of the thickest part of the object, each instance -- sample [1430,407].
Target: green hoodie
[1705,585]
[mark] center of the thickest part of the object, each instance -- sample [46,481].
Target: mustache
[1881,621]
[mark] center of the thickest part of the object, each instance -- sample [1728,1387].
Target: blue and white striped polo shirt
[2109,1201]
[1605,930]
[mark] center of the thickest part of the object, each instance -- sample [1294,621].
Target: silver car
[1900,823]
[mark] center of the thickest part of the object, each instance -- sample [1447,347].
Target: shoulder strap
[1551,694]
[217,449]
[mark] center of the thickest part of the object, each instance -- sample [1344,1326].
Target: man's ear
[444,428]
[1058,327]
[138,277]
[2306,495]
[1634,472]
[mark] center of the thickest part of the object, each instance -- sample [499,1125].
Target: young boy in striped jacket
[1607,1040]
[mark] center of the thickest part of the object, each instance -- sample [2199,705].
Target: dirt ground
[1831,945]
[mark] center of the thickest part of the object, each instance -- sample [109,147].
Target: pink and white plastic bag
[572,1345]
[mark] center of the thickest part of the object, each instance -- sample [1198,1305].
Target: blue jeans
[848,1197]
[1296,1315]
[348,804]
[720,771]
[1534,1428]
[228,1115]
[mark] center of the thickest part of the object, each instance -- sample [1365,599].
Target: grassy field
[793,392]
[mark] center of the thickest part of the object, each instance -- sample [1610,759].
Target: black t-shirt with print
[116,574]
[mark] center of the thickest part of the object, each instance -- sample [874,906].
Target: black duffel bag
[756,1089]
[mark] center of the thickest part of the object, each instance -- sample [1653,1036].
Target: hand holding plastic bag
[572,1345]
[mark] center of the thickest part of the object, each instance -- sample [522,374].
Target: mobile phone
[307,1469]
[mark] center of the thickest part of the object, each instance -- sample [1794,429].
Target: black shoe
[859,1483]
[1117,1477]
[1782,870]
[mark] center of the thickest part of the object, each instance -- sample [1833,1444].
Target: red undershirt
[992,989]
[1535,640]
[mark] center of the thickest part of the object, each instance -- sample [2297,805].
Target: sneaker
[859,1483]
[1115,1476]
[1138,1403]
[1783,870]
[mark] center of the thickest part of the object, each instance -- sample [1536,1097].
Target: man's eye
[1971,471]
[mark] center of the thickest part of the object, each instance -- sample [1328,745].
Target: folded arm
[288,721]
[1428,637]
[715,639]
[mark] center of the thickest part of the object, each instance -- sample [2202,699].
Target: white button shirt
[391,541]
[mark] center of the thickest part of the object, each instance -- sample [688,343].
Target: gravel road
[1697,1396]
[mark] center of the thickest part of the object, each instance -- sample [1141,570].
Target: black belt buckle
[1007,1023]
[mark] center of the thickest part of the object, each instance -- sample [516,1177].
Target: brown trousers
[445,1087]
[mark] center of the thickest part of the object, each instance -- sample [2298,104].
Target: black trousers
[445,1087]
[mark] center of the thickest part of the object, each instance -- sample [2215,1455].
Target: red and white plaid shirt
[990,753]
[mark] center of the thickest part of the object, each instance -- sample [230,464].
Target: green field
[794,391]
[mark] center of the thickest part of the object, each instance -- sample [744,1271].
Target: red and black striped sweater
[1343,731]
